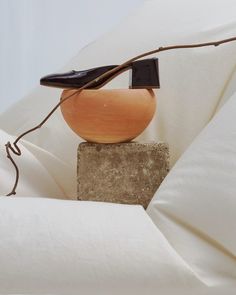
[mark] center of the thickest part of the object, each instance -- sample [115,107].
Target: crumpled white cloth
[195,84]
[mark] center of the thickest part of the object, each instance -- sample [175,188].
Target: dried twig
[14,148]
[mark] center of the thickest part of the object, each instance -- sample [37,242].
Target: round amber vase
[108,115]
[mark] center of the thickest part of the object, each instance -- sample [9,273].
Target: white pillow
[195,207]
[70,247]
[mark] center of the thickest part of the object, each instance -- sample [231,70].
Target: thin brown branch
[8,148]
[16,150]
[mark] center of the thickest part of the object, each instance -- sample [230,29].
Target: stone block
[127,173]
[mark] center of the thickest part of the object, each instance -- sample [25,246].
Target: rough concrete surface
[127,173]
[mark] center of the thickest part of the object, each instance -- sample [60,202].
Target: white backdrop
[39,36]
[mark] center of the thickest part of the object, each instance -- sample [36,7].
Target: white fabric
[195,207]
[35,179]
[194,85]
[54,145]
[50,246]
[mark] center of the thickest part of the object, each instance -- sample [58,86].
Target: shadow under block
[127,173]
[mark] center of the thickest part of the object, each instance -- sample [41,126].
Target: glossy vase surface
[109,115]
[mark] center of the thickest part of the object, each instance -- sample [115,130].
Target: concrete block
[127,173]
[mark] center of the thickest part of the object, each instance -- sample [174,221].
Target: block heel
[145,74]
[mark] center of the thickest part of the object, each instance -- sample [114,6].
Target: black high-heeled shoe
[145,74]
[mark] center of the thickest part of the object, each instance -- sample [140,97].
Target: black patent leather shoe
[144,74]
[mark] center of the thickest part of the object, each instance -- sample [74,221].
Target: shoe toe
[55,79]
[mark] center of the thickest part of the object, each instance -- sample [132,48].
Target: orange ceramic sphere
[109,115]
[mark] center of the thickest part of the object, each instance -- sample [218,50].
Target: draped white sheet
[196,205]
[194,85]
